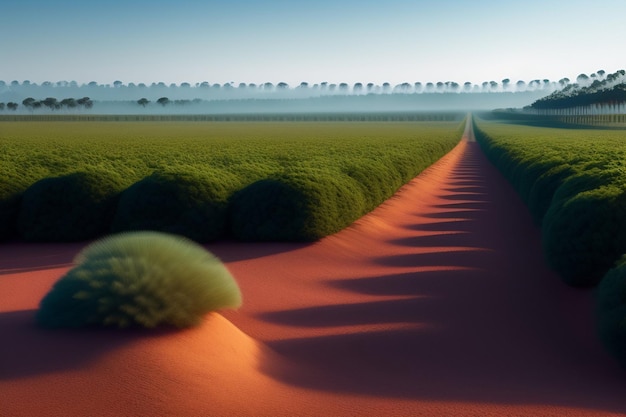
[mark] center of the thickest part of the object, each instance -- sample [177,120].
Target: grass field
[181,167]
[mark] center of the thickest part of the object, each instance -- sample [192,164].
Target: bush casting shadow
[140,279]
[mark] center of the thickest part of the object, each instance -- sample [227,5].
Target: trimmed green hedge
[611,311]
[298,206]
[192,179]
[189,204]
[574,183]
[72,207]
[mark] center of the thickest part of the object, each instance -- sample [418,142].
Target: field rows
[259,181]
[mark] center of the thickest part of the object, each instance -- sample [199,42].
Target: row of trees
[50,103]
[597,94]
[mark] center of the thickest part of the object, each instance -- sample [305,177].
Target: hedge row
[292,199]
[574,184]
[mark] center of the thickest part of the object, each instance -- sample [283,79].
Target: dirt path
[441,294]
[437,303]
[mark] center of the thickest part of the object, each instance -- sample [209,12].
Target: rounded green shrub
[72,207]
[611,310]
[296,206]
[584,235]
[377,181]
[10,199]
[140,279]
[542,191]
[190,204]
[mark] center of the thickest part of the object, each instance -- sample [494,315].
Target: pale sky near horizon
[314,41]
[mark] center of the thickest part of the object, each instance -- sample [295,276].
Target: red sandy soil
[437,303]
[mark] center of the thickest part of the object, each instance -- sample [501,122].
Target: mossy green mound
[611,310]
[72,207]
[189,204]
[299,206]
[142,279]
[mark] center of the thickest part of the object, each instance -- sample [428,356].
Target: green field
[574,183]
[257,180]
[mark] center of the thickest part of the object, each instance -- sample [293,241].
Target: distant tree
[92,84]
[520,85]
[12,106]
[303,85]
[268,86]
[370,87]
[440,86]
[357,88]
[70,103]
[601,73]
[282,86]
[430,87]
[563,82]
[205,84]
[143,102]
[417,87]
[493,86]
[485,86]
[85,102]
[142,85]
[505,84]
[242,86]
[117,84]
[15,83]
[51,103]
[163,101]
[28,103]
[582,79]
[467,86]
[344,87]
[386,88]
[185,85]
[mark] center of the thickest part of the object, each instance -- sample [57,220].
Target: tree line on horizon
[205,90]
[600,93]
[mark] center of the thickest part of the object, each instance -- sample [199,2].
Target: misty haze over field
[205,98]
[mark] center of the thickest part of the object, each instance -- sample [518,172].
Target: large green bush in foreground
[574,183]
[143,279]
[611,310]
[72,207]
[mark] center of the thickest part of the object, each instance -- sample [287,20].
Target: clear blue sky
[292,41]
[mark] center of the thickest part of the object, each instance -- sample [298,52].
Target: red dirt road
[436,303]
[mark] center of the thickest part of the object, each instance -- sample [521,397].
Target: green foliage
[10,198]
[140,279]
[72,207]
[193,205]
[298,206]
[200,166]
[611,310]
[584,235]
[574,183]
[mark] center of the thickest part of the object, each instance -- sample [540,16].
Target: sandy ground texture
[438,303]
